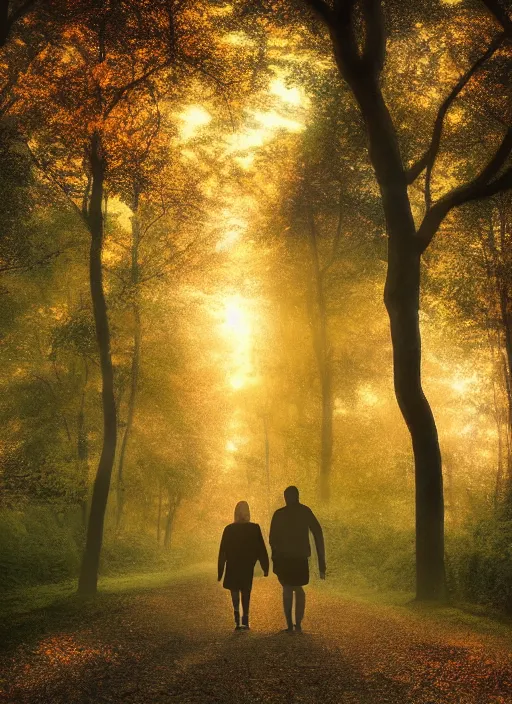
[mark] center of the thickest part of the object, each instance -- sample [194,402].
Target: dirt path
[176,644]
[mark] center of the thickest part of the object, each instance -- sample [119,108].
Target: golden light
[246,161]
[238,39]
[462,384]
[237,328]
[235,228]
[230,446]
[272,120]
[367,397]
[235,319]
[245,141]
[291,95]
[193,119]
[339,408]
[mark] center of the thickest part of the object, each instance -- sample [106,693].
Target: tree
[357,32]
[162,194]
[10,14]
[92,55]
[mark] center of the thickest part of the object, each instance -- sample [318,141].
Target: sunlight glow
[272,120]
[246,140]
[235,228]
[462,384]
[237,329]
[194,118]
[367,397]
[238,39]
[339,408]
[291,95]
[122,213]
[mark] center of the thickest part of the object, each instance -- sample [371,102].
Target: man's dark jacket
[289,533]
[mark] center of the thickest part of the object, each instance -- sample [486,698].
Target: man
[289,540]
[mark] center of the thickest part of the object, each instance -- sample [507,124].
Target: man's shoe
[298,628]
[288,630]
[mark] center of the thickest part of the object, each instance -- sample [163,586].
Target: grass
[27,599]
[477,618]
[28,612]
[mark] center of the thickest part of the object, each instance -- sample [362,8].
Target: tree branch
[374,52]
[482,186]
[121,92]
[46,259]
[7,21]
[322,10]
[53,180]
[499,14]
[337,238]
[429,157]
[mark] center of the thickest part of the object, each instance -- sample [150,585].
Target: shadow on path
[176,646]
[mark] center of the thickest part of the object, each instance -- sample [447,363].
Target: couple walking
[242,545]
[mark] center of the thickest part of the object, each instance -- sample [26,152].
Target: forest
[251,244]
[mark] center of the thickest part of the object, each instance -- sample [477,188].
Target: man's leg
[246,599]
[287,605]
[300,606]
[235,597]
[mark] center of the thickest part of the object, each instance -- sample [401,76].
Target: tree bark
[401,297]
[503,274]
[82,450]
[173,505]
[360,60]
[267,465]
[159,515]
[88,580]
[323,356]
[496,244]
[137,339]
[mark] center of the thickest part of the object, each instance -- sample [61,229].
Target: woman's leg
[300,606]
[287,605]
[246,599]
[235,597]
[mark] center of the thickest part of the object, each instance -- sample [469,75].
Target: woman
[242,545]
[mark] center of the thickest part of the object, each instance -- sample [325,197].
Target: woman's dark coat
[242,545]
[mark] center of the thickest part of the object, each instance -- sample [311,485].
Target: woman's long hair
[242,512]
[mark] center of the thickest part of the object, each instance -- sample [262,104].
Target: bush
[377,555]
[479,564]
[127,552]
[37,546]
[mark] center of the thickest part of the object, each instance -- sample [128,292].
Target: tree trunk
[82,451]
[323,356]
[504,274]
[496,246]
[88,579]
[173,505]
[159,515]
[401,297]
[137,338]
[267,466]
